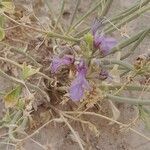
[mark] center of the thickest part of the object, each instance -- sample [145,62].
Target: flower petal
[76,92]
[80,83]
[59,62]
[107,44]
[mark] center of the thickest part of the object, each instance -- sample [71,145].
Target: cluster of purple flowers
[78,86]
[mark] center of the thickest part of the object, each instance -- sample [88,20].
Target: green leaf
[12,97]
[89,40]
[28,71]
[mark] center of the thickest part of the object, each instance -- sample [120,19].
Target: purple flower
[59,62]
[79,84]
[101,42]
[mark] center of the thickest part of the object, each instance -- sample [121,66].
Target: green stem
[134,101]
[119,62]
[109,67]
[53,16]
[106,8]
[60,14]
[67,38]
[81,33]
[131,51]
[128,87]
[86,15]
[127,12]
[73,16]
[24,123]
[127,42]
[122,15]
[124,73]
[103,13]
[126,20]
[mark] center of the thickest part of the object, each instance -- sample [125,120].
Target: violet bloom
[57,62]
[80,84]
[101,42]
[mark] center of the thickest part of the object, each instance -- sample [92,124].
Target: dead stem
[109,119]
[73,131]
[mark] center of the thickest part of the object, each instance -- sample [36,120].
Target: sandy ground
[57,137]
